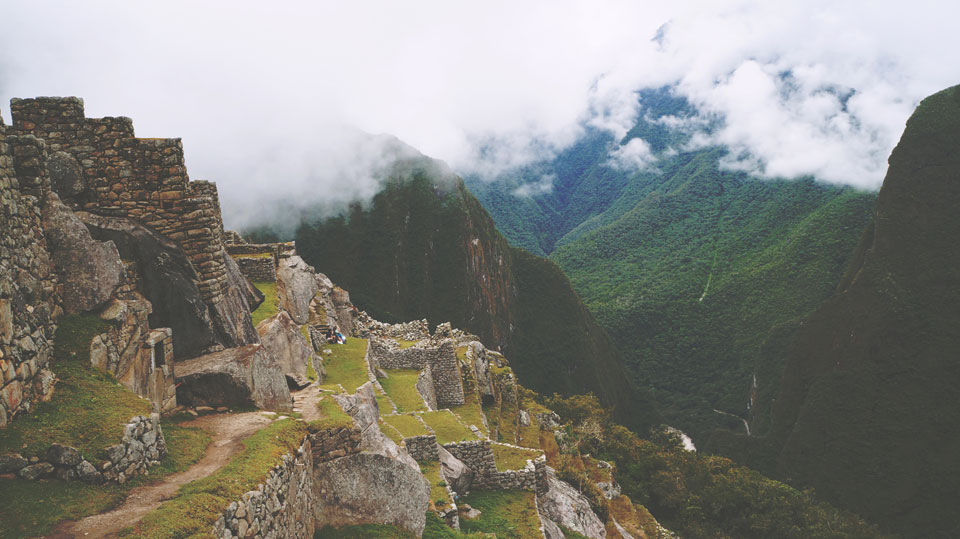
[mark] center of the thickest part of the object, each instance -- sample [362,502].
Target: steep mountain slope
[870,394]
[688,266]
[425,248]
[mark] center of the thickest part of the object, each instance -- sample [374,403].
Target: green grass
[346,364]
[254,255]
[270,305]
[89,408]
[32,508]
[470,411]
[391,431]
[407,424]
[508,422]
[383,402]
[438,492]
[333,415]
[446,426]
[509,514]
[401,386]
[195,508]
[511,458]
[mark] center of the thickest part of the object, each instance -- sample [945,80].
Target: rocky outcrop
[567,507]
[370,488]
[282,337]
[457,474]
[90,271]
[166,277]
[297,285]
[233,377]
[362,407]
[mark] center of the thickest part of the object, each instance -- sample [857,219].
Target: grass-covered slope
[425,248]
[871,388]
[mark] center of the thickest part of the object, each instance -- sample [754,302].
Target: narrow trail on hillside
[227,431]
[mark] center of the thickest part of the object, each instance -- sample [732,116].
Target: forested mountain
[871,389]
[425,248]
[688,266]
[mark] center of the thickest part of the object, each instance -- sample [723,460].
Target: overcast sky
[266,98]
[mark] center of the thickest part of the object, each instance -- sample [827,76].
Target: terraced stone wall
[28,294]
[121,175]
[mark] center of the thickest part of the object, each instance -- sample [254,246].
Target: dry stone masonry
[440,357]
[145,179]
[282,506]
[422,448]
[142,446]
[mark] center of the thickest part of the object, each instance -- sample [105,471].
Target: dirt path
[227,431]
[305,402]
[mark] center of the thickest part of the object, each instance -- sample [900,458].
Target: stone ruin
[95,220]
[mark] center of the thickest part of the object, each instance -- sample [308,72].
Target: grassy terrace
[333,415]
[271,302]
[470,411]
[510,514]
[511,458]
[346,365]
[407,425]
[198,503]
[401,386]
[438,492]
[32,508]
[508,422]
[447,427]
[404,344]
[89,408]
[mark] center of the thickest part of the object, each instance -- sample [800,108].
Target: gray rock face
[296,284]
[233,377]
[168,280]
[89,270]
[370,488]
[63,455]
[281,336]
[565,506]
[362,407]
[550,528]
[36,471]
[66,177]
[457,474]
[12,462]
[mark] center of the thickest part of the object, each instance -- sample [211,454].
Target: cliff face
[871,389]
[426,248]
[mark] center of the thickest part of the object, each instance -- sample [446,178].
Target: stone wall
[145,179]
[447,382]
[259,269]
[425,388]
[478,455]
[129,351]
[442,359]
[422,448]
[142,446]
[28,299]
[329,444]
[282,506]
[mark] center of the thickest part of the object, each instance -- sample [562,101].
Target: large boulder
[66,176]
[89,270]
[233,377]
[362,407]
[296,285]
[566,506]
[282,336]
[368,488]
[457,474]
[168,280]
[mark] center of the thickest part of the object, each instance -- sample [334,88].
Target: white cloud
[542,186]
[260,94]
[634,155]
